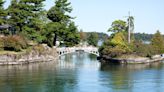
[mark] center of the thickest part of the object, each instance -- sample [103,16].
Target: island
[122,47]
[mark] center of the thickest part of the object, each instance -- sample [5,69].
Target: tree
[157,43]
[71,36]
[116,45]
[117,26]
[83,35]
[2,12]
[93,39]
[51,32]
[58,13]
[143,36]
[66,29]
[25,17]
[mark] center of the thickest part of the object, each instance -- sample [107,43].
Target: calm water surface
[81,72]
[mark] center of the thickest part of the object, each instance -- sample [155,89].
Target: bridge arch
[67,50]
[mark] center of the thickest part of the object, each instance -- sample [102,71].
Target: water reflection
[134,78]
[43,77]
[81,72]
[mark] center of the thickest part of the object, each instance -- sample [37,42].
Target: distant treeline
[143,36]
[101,36]
[137,36]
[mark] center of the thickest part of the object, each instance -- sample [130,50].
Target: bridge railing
[66,50]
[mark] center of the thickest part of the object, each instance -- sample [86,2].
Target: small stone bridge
[88,49]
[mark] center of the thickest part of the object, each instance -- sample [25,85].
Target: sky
[98,15]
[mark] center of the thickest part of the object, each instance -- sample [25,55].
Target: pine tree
[2,13]
[65,28]
[25,16]
[58,13]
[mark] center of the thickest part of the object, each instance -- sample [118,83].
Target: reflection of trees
[44,77]
[123,76]
[17,78]
[92,57]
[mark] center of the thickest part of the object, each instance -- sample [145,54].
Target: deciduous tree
[157,43]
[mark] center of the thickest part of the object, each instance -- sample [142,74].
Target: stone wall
[130,60]
[45,55]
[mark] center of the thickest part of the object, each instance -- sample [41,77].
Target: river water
[81,72]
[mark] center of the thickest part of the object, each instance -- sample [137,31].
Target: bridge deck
[67,50]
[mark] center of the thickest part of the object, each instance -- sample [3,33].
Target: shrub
[13,43]
[1,43]
[39,48]
[141,49]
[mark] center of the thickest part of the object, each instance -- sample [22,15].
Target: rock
[49,54]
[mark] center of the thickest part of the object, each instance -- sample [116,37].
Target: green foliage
[116,46]
[25,16]
[157,43]
[3,13]
[51,32]
[118,26]
[28,18]
[58,13]
[143,36]
[117,43]
[61,27]
[141,49]
[71,37]
[93,39]
[13,43]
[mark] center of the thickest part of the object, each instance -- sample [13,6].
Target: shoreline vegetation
[34,54]
[122,47]
[26,21]
[18,50]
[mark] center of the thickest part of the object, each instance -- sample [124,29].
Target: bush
[141,49]
[39,48]
[116,46]
[1,43]
[13,43]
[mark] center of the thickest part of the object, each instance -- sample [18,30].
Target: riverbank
[40,53]
[131,60]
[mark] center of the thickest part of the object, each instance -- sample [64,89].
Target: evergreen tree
[58,13]
[25,17]
[65,28]
[71,36]
[2,12]
[51,32]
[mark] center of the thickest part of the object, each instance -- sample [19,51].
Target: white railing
[67,50]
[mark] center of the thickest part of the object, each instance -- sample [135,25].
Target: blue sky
[97,15]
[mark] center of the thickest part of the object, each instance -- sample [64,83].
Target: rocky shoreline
[34,56]
[138,60]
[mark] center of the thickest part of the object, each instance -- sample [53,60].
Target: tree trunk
[54,41]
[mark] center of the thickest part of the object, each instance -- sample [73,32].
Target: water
[81,73]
